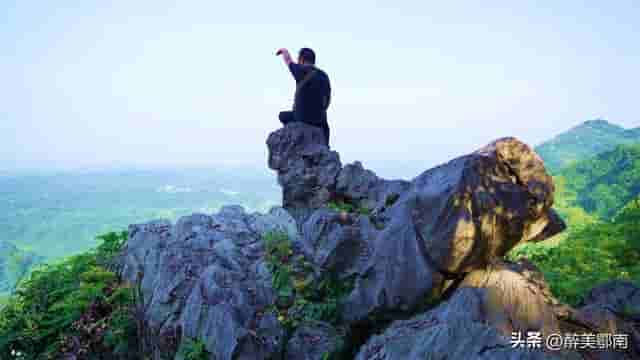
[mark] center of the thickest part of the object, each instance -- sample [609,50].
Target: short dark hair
[307,55]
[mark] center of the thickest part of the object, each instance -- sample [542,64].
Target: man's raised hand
[286,56]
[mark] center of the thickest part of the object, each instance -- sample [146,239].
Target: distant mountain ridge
[584,141]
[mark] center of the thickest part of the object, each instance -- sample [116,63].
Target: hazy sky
[94,83]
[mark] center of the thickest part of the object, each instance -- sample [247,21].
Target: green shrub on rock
[75,306]
[302,296]
[193,349]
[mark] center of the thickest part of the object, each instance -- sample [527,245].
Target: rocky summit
[353,266]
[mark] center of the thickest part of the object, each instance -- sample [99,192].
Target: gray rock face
[618,296]
[457,329]
[315,341]
[614,308]
[205,278]
[334,244]
[363,187]
[397,274]
[306,168]
[517,298]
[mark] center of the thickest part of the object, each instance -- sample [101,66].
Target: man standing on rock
[313,91]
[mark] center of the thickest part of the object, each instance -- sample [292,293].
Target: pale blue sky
[192,83]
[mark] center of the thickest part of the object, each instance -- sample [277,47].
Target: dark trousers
[287,117]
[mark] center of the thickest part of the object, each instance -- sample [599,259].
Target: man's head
[306,56]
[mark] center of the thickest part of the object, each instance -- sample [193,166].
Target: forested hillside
[590,253]
[584,141]
[604,184]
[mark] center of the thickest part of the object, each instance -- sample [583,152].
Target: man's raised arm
[285,55]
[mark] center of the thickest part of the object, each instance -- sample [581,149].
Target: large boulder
[478,207]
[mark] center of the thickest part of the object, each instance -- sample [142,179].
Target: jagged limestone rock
[314,341]
[613,308]
[307,169]
[364,188]
[335,244]
[205,277]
